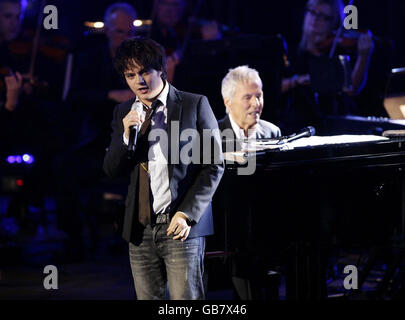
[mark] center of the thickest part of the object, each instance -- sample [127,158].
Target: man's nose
[140,79]
[255,102]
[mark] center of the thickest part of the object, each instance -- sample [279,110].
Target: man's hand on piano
[179,227]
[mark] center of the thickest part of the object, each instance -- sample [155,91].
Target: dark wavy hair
[141,51]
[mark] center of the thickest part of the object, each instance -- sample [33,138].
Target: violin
[347,40]
[4,72]
[39,87]
[27,47]
[53,47]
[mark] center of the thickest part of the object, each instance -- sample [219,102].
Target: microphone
[133,133]
[306,132]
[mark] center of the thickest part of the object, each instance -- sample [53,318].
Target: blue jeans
[160,259]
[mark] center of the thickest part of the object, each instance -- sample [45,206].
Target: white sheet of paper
[256,145]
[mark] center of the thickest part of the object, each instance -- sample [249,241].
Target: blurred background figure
[119,24]
[174,25]
[96,88]
[32,79]
[32,68]
[174,19]
[11,16]
[316,57]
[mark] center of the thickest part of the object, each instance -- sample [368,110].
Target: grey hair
[119,6]
[241,74]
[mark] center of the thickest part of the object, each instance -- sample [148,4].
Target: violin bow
[36,40]
[338,34]
[192,24]
[189,29]
[180,52]
[153,16]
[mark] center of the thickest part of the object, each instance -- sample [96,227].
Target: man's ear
[227,103]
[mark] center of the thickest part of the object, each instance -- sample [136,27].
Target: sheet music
[320,141]
[253,146]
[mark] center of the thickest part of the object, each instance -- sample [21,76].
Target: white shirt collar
[162,97]
[240,133]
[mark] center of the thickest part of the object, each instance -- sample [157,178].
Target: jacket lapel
[226,144]
[173,114]
[259,131]
[228,124]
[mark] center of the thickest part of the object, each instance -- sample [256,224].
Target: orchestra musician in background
[11,15]
[11,80]
[31,65]
[96,88]
[322,20]
[24,103]
[171,26]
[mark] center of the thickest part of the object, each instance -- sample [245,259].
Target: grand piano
[307,198]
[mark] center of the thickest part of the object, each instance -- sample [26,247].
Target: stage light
[138,23]
[11,159]
[398,70]
[96,25]
[19,182]
[27,158]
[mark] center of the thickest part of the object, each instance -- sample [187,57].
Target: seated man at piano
[243,98]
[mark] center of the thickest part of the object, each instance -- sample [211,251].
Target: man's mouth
[143,90]
[254,113]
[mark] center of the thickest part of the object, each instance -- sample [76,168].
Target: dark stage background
[383,18]
[264,18]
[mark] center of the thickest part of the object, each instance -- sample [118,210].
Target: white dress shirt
[240,133]
[158,163]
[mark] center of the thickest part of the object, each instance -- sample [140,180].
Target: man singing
[168,206]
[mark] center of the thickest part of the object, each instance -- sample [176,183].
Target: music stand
[205,64]
[327,75]
[394,102]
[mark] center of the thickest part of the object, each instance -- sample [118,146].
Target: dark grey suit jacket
[192,186]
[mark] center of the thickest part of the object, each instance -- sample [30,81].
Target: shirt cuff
[125,139]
